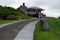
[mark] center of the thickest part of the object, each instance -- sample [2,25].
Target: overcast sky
[52,7]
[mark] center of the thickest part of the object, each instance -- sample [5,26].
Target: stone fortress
[32,11]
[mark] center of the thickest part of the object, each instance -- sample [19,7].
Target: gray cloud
[54,4]
[8,2]
[51,6]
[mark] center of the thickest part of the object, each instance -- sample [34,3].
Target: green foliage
[52,34]
[11,13]
[58,17]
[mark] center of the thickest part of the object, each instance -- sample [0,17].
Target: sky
[52,7]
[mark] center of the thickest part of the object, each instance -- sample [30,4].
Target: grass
[6,21]
[52,34]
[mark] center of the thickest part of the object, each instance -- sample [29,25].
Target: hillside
[52,34]
[9,13]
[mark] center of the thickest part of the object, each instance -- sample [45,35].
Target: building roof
[23,7]
[36,8]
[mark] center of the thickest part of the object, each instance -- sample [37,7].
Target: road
[27,32]
[9,32]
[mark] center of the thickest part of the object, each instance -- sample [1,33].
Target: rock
[45,26]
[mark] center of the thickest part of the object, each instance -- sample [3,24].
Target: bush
[58,17]
[11,13]
[13,17]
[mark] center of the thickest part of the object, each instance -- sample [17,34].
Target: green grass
[6,21]
[52,34]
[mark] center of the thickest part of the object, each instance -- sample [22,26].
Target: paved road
[9,32]
[27,32]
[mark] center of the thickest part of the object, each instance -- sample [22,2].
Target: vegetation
[58,17]
[52,34]
[9,13]
[6,21]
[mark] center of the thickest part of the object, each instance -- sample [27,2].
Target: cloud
[52,7]
[12,3]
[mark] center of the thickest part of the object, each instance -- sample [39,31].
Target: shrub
[58,17]
[11,13]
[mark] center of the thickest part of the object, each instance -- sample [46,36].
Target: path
[9,32]
[27,32]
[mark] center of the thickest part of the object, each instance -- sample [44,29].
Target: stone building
[23,7]
[32,11]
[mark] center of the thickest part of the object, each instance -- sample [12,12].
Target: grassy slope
[6,11]
[6,21]
[52,34]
